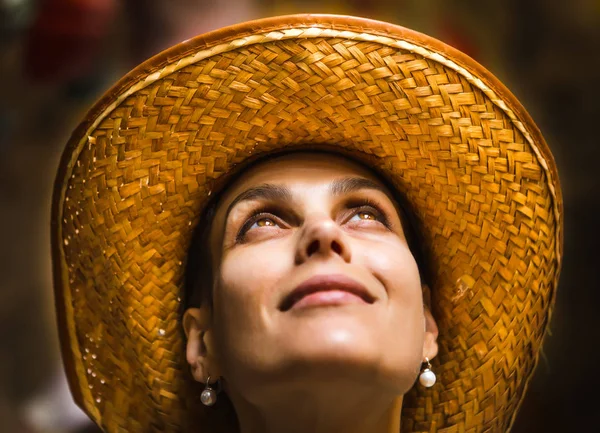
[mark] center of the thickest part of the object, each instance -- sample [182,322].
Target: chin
[338,346]
[335,344]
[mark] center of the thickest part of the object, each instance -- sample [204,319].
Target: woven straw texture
[449,136]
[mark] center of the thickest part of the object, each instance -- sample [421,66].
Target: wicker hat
[447,134]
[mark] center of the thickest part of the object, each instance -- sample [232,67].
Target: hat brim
[449,136]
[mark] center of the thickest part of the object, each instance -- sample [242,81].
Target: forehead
[297,169]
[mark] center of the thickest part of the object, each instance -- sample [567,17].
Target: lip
[308,293]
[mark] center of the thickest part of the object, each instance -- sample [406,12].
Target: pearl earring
[209,395]
[427,377]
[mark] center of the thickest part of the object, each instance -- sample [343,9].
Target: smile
[327,290]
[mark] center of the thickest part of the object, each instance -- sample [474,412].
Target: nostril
[335,246]
[313,247]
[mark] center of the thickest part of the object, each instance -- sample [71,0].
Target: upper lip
[320,283]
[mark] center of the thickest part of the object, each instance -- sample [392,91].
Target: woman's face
[313,279]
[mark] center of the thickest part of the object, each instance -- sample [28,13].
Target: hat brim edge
[69,346]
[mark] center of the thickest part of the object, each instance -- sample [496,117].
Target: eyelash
[360,205]
[256,215]
[370,205]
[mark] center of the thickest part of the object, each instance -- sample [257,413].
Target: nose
[322,236]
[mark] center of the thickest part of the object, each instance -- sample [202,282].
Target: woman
[316,317]
[288,156]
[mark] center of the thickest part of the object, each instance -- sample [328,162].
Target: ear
[430,345]
[200,352]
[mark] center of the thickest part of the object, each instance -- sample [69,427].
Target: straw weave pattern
[136,184]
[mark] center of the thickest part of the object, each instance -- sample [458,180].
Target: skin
[323,368]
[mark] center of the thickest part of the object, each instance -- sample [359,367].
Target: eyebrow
[273,192]
[350,184]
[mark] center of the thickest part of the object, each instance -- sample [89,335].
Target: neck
[350,410]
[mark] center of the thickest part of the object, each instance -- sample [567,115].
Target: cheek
[404,320]
[394,265]
[241,284]
[247,284]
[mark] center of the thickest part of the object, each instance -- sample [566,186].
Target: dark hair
[198,270]
[198,267]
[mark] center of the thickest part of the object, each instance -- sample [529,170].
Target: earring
[427,377]
[209,395]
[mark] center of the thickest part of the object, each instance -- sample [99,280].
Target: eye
[364,215]
[367,212]
[260,220]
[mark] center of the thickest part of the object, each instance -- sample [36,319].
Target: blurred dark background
[58,56]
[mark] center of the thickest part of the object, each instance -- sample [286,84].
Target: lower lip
[328,298]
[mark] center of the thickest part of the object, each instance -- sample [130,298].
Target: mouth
[327,290]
